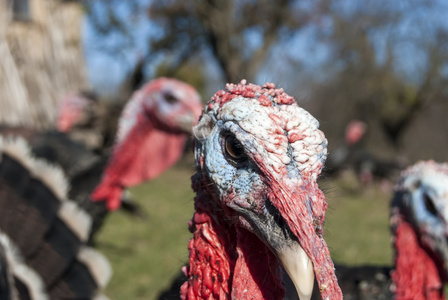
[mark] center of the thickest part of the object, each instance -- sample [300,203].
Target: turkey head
[151,136]
[76,110]
[258,205]
[419,225]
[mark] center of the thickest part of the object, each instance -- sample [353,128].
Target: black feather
[37,232]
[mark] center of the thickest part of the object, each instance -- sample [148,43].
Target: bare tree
[239,34]
[368,81]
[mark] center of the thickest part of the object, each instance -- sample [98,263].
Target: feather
[43,233]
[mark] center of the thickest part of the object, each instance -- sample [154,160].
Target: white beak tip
[299,268]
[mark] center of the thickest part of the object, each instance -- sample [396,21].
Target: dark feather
[82,167]
[43,231]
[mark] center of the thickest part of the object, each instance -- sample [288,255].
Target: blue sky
[107,71]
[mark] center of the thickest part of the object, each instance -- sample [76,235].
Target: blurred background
[380,67]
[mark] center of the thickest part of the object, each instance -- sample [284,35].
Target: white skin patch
[265,133]
[269,124]
[221,172]
[165,108]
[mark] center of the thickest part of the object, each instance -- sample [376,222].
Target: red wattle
[209,270]
[257,273]
[109,193]
[416,276]
[228,262]
[144,154]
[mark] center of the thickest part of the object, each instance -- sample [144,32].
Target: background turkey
[92,121]
[83,118]
[151,137]
[419,229]
[43,235]
[353,155]
[341,157]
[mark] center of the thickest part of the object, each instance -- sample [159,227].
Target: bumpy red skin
[252,270]
[416,276]
[249,91]
[210,275]
[145,154]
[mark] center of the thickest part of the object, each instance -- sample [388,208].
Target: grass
[357,227]
[147,255]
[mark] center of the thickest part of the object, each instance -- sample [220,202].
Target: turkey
[57,148]
[419,219]
[370,168]
[352,155]
[92,122]
[258,206]
[82,117]
[43,234]
[151,137]
[341,157]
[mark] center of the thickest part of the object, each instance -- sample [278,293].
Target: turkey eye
[234,150]
[429,204]
[170,98]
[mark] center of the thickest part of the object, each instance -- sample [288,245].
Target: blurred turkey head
[76,109]
[173,104]
[354,132]
[421,199]
[152,132]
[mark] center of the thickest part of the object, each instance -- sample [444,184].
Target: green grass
[147,255]
[357,227]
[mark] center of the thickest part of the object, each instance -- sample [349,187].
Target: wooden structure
[40,59]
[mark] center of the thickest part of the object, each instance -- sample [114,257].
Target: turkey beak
[186,122]
[297,206]
[299,268]
[190,119]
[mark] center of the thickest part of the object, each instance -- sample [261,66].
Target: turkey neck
[211,259]
[257,273]
[226,261]
[416,275]
[145,153]
[125,154]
